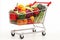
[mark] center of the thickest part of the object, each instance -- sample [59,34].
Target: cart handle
[48,3]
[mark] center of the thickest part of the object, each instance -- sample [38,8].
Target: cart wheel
[21,36]
[13,34]
[43,33]
[34,30]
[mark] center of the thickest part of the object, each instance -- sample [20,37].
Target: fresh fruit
[36,11]
[25,21]
[23,9]
[20,6]
[31,13]
[20,22]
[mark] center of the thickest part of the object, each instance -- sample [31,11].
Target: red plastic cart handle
[48,3]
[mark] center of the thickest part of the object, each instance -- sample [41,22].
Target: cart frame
[13,32]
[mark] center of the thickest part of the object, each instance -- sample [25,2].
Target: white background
[52,21]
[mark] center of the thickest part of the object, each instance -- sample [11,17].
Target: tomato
[36,11]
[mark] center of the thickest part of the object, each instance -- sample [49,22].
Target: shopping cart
[37,18]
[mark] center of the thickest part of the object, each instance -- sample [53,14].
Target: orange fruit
[25,21]
[23,9]
[20,22]
[20,6]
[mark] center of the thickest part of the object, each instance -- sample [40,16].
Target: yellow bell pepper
[32,18]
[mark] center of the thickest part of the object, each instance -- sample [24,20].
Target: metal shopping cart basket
[30,14]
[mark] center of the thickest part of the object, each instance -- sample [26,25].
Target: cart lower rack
[30,14]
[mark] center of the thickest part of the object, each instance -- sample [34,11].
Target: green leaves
[41,7]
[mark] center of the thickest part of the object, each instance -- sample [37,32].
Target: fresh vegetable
[21,16]
[28,13]
[32,18]
[29,8]
[36,11]
[41,7]
[13,16]
[39,17]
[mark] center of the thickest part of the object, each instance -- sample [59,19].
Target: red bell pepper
[13,16]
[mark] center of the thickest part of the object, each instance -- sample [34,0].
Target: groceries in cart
[27,14]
